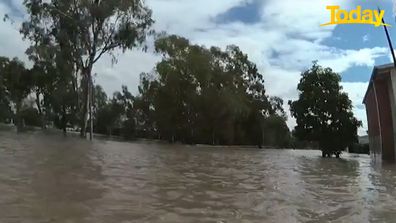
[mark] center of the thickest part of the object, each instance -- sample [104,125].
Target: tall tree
[5,109]
[63,101]
[44,77]
[323,111]
[144,106]
[126,100]
[84,30]
[206,95]
[18,82]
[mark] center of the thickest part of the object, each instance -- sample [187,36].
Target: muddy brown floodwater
[51,178]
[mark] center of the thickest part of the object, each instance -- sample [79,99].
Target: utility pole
[389,40]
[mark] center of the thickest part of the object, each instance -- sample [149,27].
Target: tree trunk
[262,135]
[18,116]
[85,106]
[213,137]
[76,108]
[192,139]
[38,103]
[75,87]
[64,121]
[40,110]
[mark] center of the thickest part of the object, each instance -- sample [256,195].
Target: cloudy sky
[282,37]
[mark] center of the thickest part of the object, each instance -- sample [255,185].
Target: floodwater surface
[51,178]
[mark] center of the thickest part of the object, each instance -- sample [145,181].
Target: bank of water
[52,178]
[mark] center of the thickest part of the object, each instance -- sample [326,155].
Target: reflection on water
[50,178]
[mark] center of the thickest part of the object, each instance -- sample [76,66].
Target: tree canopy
[17,81]
[201,95]
[323,111]
[78,33]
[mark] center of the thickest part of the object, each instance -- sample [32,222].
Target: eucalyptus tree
[125,100]
[144,106]
[80,32]
[44,76]
[206,95]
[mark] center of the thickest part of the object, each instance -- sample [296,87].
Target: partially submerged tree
[144,106]
[5,109]
[205,95]
[18,82]
[125,100]
[323,112]
[45,75]
[81,31]
[63,102]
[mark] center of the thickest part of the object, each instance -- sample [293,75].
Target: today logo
[355,16]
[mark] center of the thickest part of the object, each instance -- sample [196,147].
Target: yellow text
[355,16]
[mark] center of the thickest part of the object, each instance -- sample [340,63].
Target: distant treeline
[194,95]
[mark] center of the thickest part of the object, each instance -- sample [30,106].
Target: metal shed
[381,112]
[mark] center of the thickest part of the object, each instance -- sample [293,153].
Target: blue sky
[347,37]
[282,37]
[248,12]
[361,36]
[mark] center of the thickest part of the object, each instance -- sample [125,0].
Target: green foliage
[204,95]
[17,81]
[106,119]
[31,116]
[323,112]
[5,109]
[63,102]
[196,95]
[276,132]
[125,100]
[87,29]
[16,78]
[76,34]
[100,98]
[144,107]
[117,115]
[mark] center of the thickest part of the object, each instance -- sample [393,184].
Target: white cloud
[125,72]
[283,43]
[356,92]
[11,43]
[366,38]
[340,61]
[394,7]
